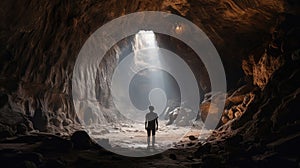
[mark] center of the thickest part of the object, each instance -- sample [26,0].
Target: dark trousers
[149,132]
[153,136]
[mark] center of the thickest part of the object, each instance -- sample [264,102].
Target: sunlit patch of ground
[133,137]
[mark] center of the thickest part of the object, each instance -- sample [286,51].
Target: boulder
[5,131]
[81,140]
[22,129]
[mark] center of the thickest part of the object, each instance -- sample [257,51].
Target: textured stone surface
[259,74]
[283,43]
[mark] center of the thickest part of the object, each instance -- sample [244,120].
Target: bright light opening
[146,40]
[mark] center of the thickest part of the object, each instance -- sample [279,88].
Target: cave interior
[59,108]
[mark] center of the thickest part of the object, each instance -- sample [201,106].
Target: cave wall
[266,131]
[39,42]
[281,51]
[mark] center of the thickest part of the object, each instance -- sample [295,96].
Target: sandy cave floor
[131,139]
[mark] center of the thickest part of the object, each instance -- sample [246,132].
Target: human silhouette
[151,125]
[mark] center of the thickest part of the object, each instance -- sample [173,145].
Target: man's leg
[153,137]
[148,137]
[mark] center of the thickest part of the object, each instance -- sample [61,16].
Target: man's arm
[156,121]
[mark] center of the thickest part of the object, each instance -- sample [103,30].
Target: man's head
[151,108]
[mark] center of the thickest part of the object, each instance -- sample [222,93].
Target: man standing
[151,125]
